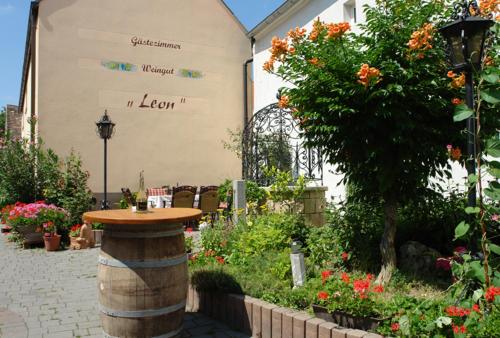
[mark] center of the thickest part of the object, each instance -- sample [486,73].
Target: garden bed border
[265,320]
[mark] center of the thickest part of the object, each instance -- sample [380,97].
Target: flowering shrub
[38,216]
[5,211]
[378,104]
[352,294]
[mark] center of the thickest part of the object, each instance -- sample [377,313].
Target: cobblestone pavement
[54,294]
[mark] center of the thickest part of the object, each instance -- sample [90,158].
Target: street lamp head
[105,127]
[465,37]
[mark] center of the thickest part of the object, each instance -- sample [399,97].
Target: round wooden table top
[153,216]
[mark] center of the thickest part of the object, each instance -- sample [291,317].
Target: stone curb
[265,320]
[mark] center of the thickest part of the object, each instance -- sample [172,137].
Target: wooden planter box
[346,320]
[261,319]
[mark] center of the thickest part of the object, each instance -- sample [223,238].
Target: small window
[350,12]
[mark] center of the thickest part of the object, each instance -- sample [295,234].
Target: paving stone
[54,295]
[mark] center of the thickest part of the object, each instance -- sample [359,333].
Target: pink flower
[460,250]
[495,217]
[395,327]
[443,263]
[449,147]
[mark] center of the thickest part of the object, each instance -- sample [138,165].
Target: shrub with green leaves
[254,193]
[71,190]
[26,169]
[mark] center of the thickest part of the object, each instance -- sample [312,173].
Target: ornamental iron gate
[272,138]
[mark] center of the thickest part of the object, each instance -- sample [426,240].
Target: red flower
[491,293]
[345,278]
[395,327]
[459,329]
[476,308]
[324,275]
[378,289]
[219,259]
[361,287]
[345,256]
[456,101]
[455,311]
[369,276]
[323,295]
[189,229]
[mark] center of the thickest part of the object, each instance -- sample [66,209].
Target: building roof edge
[282,10]
[33,12]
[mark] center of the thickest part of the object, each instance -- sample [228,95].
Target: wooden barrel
[142,275]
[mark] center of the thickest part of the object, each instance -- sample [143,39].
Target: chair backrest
[209,199]
[128,196]
[156,191]
[183,196]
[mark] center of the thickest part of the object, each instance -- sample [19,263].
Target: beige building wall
[170,74]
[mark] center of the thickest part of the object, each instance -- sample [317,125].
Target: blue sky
[13,24]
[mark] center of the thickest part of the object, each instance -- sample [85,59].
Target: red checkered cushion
[157,191]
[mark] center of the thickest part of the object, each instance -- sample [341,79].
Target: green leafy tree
[70,190]
[379,103]
[25,170]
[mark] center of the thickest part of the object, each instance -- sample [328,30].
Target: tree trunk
[387,249]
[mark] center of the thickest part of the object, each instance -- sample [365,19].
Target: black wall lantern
[466,38]
[105,130]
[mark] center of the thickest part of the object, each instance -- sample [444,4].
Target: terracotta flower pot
[52,242]
[346,320]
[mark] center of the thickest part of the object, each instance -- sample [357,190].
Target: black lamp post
[105,129]
[465,37]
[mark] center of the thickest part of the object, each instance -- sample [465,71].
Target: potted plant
[51,239]
[97,229]
[349,301]
[4,215]
[74,234]
[27,220]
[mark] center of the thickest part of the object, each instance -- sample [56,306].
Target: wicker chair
[209,200]
[183,196]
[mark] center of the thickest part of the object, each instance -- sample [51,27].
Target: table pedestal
[142,275]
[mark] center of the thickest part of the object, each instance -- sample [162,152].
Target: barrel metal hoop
[159,234]
[143,313]
[142,264]
[166,335]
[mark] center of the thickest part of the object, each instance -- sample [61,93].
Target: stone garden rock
[418,258]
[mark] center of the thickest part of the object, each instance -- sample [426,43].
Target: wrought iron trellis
[272,138]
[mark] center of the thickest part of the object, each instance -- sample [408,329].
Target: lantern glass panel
[457,52]
[474,46]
